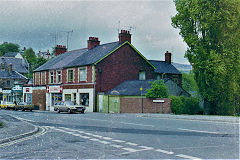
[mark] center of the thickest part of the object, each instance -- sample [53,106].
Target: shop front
[27,95]
[84,97]
[17,93]
[53,96]
[7,95]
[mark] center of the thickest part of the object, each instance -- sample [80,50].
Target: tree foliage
[33,60]
[157,90]
[8,47]
[212,33]
[188,82]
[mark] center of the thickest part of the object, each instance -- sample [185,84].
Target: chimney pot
[93,42]
[124,36]
[59,49]
[10,68]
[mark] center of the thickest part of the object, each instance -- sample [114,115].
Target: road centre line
[107,138]
[116,146]
[131,144]
[197,131]
[118,141]
[187,157]
[163,151]
[145,147]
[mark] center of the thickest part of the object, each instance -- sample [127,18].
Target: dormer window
[142,75]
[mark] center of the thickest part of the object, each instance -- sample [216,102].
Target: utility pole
[68,32]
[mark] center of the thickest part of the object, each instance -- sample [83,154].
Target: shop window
[59,76]
[70,75]
[84,99]
[83,74]
[142,75]
[67,97]
[51,77]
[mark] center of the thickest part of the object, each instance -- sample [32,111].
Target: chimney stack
[10,68]
[124,36]
[93,42]
[168,57]
[59,49]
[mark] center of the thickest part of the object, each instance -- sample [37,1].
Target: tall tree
[212,33]
[8,47]
[31,57]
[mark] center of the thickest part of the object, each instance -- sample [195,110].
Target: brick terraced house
[81,74]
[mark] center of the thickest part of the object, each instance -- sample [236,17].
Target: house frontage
[81,74]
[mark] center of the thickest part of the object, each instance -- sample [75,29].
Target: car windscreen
[69,103]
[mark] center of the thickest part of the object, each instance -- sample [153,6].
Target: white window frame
[43,82]
[79,74]
[57,76]
[73,74]
[50,77]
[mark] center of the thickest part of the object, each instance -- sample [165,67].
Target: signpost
[141,100]
[158,101]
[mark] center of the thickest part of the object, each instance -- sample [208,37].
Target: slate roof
[10,54]
[164,67]
[79,57]
[15,75]
[132,87]
[16,62]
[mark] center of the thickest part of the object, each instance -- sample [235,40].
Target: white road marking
[118,141]
[106,138]
[188,157]
[163,151]
[145,125]
[90,134]
[132,144]
[116,146]
[94,139]
[145,147]
[97,136]
[130,149]
[197,131]
[104,142]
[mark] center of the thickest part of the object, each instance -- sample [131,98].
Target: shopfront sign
[6,91]
[27,90]
[54,89]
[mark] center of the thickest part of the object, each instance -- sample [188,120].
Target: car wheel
[58,111]
[69,111]
[82,111]
[30,110]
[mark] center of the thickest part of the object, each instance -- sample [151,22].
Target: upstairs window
[70,75]
[59,76]
[83,74]
[142,75]
[51,77]
[43,78]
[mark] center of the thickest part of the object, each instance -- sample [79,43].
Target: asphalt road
[121,136]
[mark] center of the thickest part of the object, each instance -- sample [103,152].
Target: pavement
[15,128]
[213,118]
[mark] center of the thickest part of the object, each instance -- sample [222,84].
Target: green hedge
[185,105]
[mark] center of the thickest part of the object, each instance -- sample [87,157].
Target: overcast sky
[34,24]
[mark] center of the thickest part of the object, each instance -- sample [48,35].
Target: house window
[70,75]
[142,75]
[43,77]
[8,83]
[82,74]
[51,77]
[59,76]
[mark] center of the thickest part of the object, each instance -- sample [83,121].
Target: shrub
[1,124]
[185,105]
[158,90]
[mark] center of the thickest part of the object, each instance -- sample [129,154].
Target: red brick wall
[122,65]
[39,99]
[133,105]
[89,74]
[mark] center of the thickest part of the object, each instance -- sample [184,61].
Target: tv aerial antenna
[68,33]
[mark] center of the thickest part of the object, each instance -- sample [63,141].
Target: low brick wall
[39,98]
[133,105]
